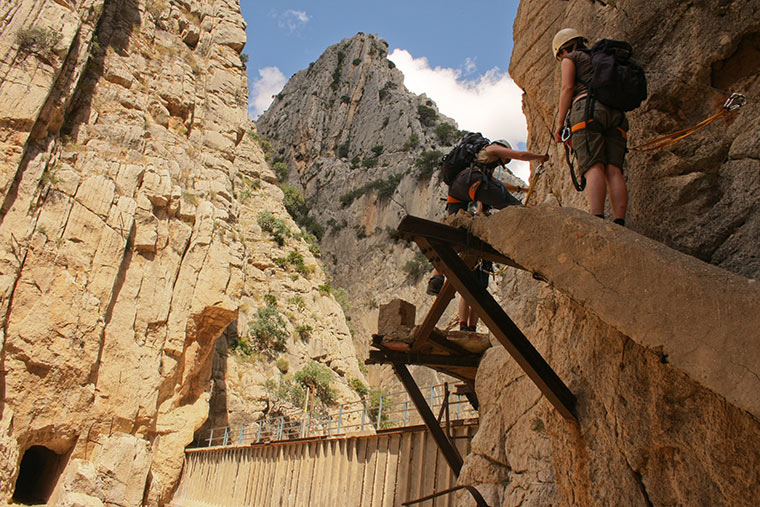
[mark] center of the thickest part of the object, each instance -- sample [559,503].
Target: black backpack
[462,156]
[618,81]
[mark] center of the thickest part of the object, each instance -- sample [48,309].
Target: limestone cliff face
[131,240]
[345,123]
[644,337]
[700,195]
[665,375]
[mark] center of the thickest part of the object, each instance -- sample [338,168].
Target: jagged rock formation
[131,240]
[341,125]
[667,405]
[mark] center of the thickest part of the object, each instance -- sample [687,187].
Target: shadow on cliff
[217,404]
[120,19]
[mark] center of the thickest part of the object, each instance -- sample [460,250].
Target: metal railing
[394,410]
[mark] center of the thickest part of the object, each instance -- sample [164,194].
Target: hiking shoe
[435,284]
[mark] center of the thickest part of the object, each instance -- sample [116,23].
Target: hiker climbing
[597,86]
[468,169]
[474,160]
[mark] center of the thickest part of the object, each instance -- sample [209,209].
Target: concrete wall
[373,470]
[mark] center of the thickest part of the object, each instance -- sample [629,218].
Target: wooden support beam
[411,228]
[449,451]
[387,356]
[422,333]
[502,327]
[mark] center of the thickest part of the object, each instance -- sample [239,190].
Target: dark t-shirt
[583,70]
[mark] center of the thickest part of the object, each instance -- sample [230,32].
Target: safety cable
[734,102]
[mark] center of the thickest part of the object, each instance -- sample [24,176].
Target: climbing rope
[734,102]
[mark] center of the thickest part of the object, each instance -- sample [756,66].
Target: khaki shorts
[603,141]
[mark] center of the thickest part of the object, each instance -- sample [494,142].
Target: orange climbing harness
[734,102]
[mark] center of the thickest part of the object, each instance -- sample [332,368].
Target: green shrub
[357,61]
[283,365]
[385,91]
[369,162]
[427,163]
[388,186]
[385,189]
[358,387]
[270,300]
[355,162]
[413,142]
[304,331]
[417,267]
[341,296]
[375,395]
[267,333]
[298,302]
[293,200]
[427,115]
[244,59]
[336,73]
[242,346]
[377,150]
[318,378]
[265,145]
[274,226]
[281,170]
[345,99]
[343,150]
[447,133]
[286,391]
[37,40]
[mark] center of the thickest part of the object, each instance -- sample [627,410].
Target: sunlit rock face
[659,347]
[131,194]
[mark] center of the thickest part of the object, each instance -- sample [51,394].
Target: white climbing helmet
[505,143]
[563,37]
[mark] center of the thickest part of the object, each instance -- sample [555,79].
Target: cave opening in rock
[38,474]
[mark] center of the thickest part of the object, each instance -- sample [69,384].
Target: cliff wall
[132,192]
[658,347]
[699,195]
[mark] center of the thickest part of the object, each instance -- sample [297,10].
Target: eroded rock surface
[700,195]
[131,241]
[654,371]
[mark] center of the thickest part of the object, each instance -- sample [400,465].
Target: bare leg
[473,320]
[464,310]
[596,188]
[618,191]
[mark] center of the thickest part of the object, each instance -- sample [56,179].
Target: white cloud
[270,83]
[469,65]
[291,19]
[491,103]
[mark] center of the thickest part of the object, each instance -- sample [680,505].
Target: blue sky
[456,52]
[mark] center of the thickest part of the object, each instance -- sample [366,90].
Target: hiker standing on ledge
[598,131]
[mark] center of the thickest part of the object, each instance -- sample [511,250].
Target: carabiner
[735,101]
[565,134]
